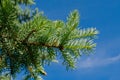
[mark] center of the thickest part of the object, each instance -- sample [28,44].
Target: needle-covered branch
[29,40]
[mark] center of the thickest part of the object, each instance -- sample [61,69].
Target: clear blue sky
[105,16]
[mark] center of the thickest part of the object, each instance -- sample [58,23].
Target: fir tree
[29,40]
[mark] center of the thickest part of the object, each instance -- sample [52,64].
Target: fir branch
[35,38]
[43,44]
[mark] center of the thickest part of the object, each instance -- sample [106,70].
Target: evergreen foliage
[29,40]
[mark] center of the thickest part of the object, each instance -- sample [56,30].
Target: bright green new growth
[29,40]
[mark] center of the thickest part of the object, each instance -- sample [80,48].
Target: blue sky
[104,64]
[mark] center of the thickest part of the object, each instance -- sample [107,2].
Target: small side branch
[27,37]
